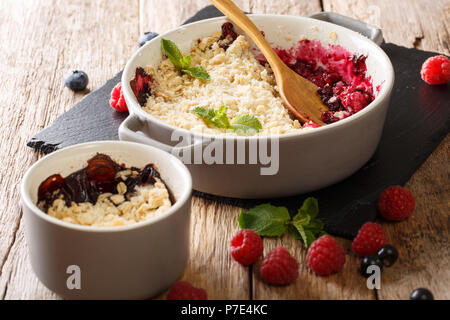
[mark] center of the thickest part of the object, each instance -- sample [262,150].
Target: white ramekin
[128,262]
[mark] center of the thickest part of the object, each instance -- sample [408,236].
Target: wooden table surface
[42,40]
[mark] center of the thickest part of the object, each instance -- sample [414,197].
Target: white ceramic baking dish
[308,160]
[127,262]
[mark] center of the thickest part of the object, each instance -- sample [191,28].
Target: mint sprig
[305,222]
[266,220]
[197,72]
[213,118]
[246,124]
[242,124]
[182,64]
[271,221]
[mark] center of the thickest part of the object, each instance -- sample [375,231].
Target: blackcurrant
[421,294]
[388,255]
[370,261]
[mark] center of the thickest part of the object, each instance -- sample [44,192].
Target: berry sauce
[228,35]
[340,76]
[85,185]
[141,85]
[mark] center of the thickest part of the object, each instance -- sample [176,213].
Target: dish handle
[132,129]
[370,31]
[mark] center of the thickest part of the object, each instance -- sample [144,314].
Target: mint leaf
[213,118]
[218,118]
[185,62]
[182,64]
[294,232]
[246,124]
[268,220]
[302,218]
[197,72]
[171,50]
[309,228]
[307,235]
[265,220]
[206,114]
[315,225]
[310,207]
[221,119]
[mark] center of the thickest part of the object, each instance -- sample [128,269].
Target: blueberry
[370,261]
[421,294]
[76,80]
[388,255]
[147,36]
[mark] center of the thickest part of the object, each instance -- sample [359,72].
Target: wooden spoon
[299,94]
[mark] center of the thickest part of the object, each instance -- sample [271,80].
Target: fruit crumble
[105,194]
[244,83]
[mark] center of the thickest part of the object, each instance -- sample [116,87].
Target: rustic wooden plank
[160,16]
[210,265]
[228,223]
[59,36]
[45,40]
[345,285]
[212,224]
[420,23]
[422,240]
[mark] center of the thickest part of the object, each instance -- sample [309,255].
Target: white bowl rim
[185,195]
[387,86]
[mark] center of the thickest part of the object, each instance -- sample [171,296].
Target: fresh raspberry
[436,70]
[117,101]
[325,256]
[396,203]
[279,267]
[246,247]
[370,238]
[183,290]
[310,124]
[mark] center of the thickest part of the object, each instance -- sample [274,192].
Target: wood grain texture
[422,240]
[345,285]
[159,16]
[47,38]
[210,266]
[417,23]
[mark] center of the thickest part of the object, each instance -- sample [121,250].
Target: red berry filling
[228,35]
[340,76]
[310,124]
[85,185]
[141,85]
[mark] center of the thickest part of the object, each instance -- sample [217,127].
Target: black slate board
[417,121]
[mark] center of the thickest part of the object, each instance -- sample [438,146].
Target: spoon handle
[236,15]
